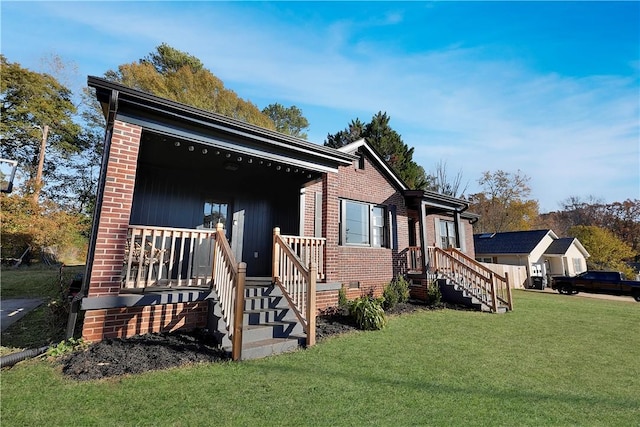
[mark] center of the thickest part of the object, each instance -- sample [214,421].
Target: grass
[555,360]
[41,326]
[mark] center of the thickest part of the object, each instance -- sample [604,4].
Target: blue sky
[548,88]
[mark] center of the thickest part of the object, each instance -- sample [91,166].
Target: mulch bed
[114,357]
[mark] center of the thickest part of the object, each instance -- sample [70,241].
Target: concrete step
[269,347]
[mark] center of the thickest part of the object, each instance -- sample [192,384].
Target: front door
[214,212]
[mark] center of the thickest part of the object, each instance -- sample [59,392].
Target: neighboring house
[541,252]
[197,213]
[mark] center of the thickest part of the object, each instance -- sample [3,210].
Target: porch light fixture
[191,148]
[205,151]
[288,169]
[278,167]
[177,143]
[250,161]
[239,158]
[217,152]
[231,166]
[228,155]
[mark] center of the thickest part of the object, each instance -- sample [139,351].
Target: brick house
[205,221]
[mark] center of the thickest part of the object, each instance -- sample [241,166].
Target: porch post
[238,312]
[275,273]
[311,305]
[422,218]
[456,225]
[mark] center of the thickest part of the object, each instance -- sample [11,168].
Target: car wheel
[636,296]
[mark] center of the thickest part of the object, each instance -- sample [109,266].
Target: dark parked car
[605,282]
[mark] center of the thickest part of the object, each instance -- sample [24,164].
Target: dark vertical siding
[175,199]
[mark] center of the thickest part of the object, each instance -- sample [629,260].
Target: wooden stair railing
[489,287]
[228,278]
[297,283]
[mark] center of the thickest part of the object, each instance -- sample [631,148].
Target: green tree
[607,251]
[179,76]
[388,143]
[287,120]
[503,204]
[37,115]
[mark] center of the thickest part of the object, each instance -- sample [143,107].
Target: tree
[179,76]
[440,182]
[37,113]
[287,120]
[607,251]
[503,204]
[388,143]
[621,218]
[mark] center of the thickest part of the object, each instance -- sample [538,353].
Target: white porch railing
[309,250]
[167,257]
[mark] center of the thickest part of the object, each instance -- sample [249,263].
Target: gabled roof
[511,242]
[362,145]
[562,245]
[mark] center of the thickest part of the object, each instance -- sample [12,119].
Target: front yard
[555,360]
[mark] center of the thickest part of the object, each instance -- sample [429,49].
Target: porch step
[269,325]
[456,293]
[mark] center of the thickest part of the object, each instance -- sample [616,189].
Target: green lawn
[555,360]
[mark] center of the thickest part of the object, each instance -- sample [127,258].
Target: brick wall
[126,322]
[360,269]
[109,253]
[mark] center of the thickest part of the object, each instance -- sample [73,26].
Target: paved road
[13,309]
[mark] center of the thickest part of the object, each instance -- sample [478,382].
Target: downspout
[77,299]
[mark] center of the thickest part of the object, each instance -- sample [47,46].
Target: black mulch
[114,357]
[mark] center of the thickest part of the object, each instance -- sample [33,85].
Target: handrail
[228,279]
[297,283]
[309,250]
[487,286]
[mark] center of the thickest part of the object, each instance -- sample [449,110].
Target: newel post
[219,229]
[494,294]
[276,253]
[311,305]
[509,296]
[238,312]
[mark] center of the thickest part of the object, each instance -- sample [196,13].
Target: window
[447,234]
[363,224]
[577,265]
[214,212]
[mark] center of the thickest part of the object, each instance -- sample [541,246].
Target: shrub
[397,291]
[368,313]
[434,296]
[342,297]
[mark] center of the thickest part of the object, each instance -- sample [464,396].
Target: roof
[173,119]
[559,246]
[562,245]
[362,144]
[511,242]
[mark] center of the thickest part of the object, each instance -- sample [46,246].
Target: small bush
[342,297]
[396,292]
[368,313]
[65,347]
[434,296]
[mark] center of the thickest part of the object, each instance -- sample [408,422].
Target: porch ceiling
[170,121]
[210,161]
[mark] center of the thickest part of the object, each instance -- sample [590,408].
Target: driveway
[13,309]
[588,295]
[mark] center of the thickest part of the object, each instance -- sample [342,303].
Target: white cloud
[573,136]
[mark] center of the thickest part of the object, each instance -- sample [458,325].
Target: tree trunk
[43,146]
